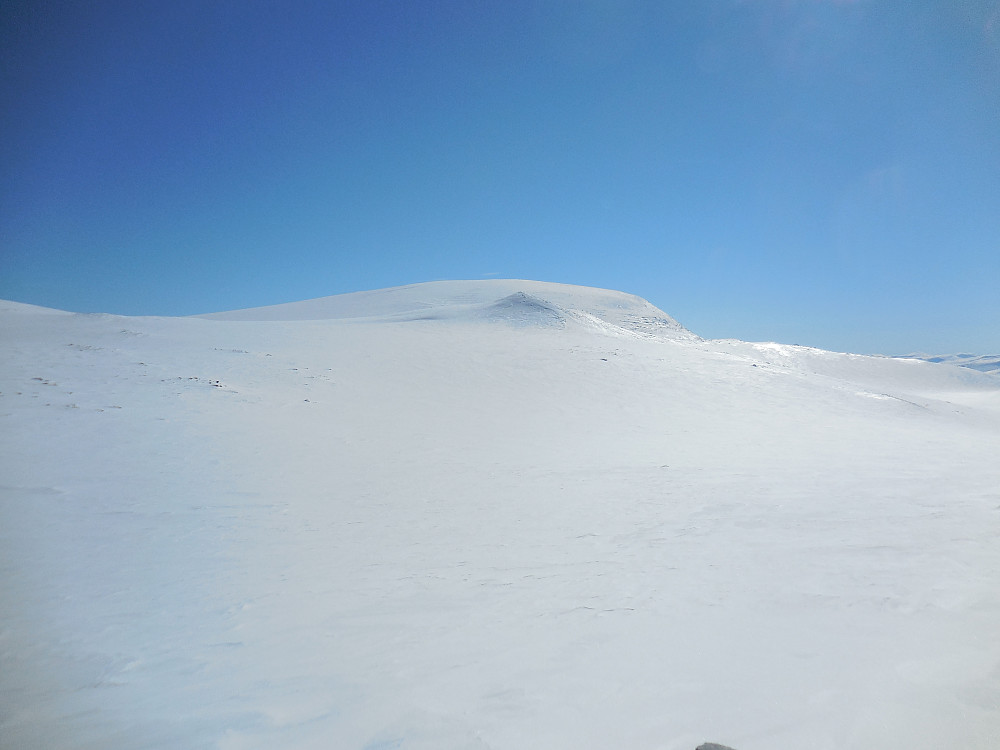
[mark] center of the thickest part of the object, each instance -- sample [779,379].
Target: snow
[983,363]
[494,514]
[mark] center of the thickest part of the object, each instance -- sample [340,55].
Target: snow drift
[495,514]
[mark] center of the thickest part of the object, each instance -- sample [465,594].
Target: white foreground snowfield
[496,514]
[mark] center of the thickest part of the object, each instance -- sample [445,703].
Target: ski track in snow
[493,515]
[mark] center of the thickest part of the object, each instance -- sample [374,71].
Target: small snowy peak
[515,301]
[521,309]
[518,310]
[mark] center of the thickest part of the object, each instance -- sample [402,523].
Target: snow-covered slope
[488,515]
[983,363]
[499,300]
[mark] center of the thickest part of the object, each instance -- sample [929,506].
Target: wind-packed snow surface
[496,514]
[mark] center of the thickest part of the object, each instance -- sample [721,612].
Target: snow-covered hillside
[983,362]
[498,300]
[495,514]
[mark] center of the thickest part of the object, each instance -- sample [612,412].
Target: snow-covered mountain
[981,362]
[508,301]
[497,514]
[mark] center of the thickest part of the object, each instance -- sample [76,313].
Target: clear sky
[822,172]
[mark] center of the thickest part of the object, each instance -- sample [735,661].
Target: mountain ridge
[987,363]
[477,300]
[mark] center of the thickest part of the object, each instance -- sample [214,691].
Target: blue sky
[807,171]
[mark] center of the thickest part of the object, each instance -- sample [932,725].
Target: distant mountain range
[983,362]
